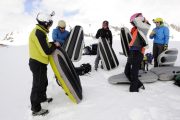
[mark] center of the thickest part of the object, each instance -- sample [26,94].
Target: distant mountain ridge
[21,37]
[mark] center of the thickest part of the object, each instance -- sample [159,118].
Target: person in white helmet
[39,50]
[60,34]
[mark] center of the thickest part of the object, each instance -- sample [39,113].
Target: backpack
[94,49]
[90,50]
[177,80]
[87,50]
[83,69]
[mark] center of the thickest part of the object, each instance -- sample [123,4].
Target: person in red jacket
[136,48]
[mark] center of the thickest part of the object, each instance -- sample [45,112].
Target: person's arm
[98,34]
[152,34]
[142,24]
[166,36]
[55,36]
[110,37]
[42,44]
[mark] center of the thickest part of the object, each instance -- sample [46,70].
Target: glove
[152,33]
[165,47]
[57,44]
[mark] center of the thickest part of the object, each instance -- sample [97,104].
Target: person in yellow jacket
[39,49]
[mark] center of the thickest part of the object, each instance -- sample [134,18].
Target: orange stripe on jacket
[134,33]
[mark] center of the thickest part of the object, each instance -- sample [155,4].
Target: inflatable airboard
[121,78]
[108,57]
[125,37]
[74,44]
[168,57]
[66,75]
[165,73]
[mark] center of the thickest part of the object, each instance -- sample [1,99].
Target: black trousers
[39,85]
[157,50]
[132,69]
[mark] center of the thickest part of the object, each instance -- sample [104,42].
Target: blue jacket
[161,35]
[59,36]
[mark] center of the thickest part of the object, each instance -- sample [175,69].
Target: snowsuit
[161,38]
[59,36]
[39,49]
[136,54]
[103,33]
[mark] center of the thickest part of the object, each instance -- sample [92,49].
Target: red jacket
[136,40]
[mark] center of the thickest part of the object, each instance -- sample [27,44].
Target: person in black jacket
[39,50]
[104,32]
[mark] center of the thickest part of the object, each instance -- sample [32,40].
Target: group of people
[40,48]
[160,34]
[137,46]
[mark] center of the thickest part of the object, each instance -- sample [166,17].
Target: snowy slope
[102,101]
[17,37]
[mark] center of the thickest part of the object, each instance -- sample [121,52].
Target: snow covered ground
[102,101]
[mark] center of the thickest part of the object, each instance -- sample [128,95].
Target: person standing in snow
[136,50]
[60,34]
[160,34]
[104,32]
[39,49]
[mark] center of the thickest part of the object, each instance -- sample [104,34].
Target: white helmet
[62,24]
[45,19]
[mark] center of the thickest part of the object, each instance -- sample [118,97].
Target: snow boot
[41,112]
[95,68]
[102,66]
[134,86]
[141,86]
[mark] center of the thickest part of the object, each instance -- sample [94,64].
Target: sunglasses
[62,28]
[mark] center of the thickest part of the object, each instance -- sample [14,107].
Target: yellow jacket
[39,47]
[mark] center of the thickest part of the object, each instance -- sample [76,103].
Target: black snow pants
[132,69]
[157,50]
[39,85]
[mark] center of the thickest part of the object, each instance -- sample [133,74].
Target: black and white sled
[125,37]
[107,54]
[74,44]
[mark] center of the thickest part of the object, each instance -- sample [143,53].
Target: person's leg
[155,54]
[159,51]
[97,59]
[147,66]
[136,63]
[127,70]
[44,82]
[34,98]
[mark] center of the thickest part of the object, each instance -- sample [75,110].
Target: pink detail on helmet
[134,16]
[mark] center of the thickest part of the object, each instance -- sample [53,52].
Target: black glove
[61,44]
[165,47]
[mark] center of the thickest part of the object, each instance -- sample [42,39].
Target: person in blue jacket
[60,34]
[160,34]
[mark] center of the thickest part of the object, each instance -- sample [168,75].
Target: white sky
[13,15]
